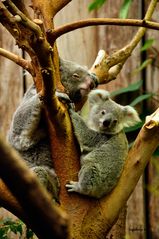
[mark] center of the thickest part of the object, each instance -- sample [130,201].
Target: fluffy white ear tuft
[131,116]
[97,96]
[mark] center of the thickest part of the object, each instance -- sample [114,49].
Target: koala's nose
[106,122]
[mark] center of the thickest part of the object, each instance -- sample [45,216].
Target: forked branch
[110,66]
[48,9]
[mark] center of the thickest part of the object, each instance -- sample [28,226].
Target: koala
[102,142]
[76,80]
[28,134]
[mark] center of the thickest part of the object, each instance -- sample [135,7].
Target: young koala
[27,132]
[103,144]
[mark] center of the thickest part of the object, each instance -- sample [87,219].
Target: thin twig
[18,60]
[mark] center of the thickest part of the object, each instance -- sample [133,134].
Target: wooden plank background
[82,46]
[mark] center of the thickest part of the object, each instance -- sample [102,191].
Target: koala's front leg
[83,134]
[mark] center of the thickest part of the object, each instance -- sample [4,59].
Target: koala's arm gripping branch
[46,220]
[141,152]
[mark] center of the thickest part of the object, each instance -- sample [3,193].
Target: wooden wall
[82,46]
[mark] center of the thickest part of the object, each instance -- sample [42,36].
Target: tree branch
[48,9]
[108,67]
[21,6]
[103,21]
[23,19]
[8,201]
[46,219]
[59,4]
[18,60]
[110,206]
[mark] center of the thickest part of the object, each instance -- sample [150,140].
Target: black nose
[106,122]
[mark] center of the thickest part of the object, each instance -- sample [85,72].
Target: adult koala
[28,134]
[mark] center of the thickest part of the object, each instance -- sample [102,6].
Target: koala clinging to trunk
[27,132]
[103,144]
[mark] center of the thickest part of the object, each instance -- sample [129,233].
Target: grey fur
[103,144]
[76,79]
[27,132]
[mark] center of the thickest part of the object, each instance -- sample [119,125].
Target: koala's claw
[72,186]
[64,98]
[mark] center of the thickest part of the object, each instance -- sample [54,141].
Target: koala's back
[39,154]
[104,163]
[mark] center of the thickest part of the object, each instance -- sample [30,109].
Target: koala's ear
[131,116]
[97,96]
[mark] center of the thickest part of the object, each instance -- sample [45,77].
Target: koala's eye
[103,112]
[76,75]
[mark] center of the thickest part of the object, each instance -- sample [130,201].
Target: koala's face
[106,116]
[77,80]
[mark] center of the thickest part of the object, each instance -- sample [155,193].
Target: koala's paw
[64,98]
[72,186]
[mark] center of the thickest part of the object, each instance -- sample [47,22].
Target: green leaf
[3,233]
[16,227]
[125,8]
[133,128]
[96,4]
[143,65]
[148,44]
[156,153]
[141,98]
[29,233]
[132,87]
[20,229]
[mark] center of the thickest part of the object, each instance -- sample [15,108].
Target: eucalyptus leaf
[125,8]
[143,65]
[148,44]
[3,233]
[132,87]
[29,233]
[141,98]
[133,128]
[96,4]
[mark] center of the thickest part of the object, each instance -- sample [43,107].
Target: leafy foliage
[125,8]
[143,65]
[141,98]
[17,227]
[148,44]
[132,87]
[96,4]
